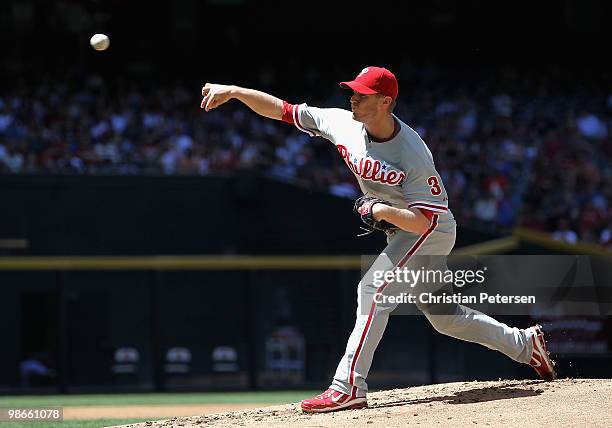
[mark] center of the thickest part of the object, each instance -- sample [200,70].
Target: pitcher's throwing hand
[215,95]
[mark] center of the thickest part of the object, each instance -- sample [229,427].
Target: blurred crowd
[513,147]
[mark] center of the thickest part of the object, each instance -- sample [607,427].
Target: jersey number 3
[434,185]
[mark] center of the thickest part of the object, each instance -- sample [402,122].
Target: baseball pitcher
[403,196]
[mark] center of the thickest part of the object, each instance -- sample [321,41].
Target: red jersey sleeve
[288,110]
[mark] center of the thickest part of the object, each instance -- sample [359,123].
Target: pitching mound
[563,403]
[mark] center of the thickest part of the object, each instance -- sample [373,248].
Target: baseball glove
[363,206]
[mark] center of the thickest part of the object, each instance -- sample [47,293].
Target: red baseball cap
[374,80]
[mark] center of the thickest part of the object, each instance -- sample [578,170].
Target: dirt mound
[562,403]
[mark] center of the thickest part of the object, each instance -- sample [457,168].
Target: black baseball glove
[363,206]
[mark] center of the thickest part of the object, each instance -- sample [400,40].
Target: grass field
[153,399]
[273,397]
[95,423]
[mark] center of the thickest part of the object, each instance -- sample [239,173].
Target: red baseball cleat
[540,360]
[331,401]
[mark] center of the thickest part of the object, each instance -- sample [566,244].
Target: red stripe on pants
[403,261]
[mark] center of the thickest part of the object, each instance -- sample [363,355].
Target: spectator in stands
[510,151]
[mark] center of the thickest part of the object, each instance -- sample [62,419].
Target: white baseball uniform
[400,171]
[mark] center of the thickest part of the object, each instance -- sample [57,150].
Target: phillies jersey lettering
[371,169]
[400,170]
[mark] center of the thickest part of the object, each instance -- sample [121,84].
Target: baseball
[99,42]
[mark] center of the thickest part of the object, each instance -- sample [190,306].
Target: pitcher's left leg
[349,387]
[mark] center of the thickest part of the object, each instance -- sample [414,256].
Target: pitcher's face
[366,108]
